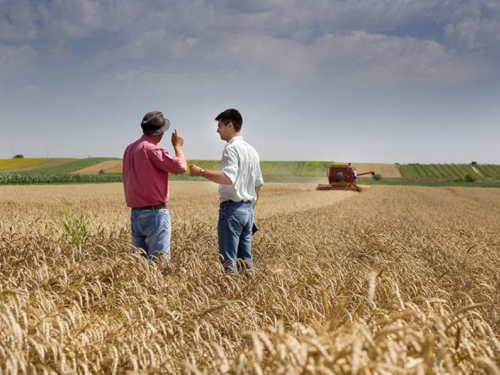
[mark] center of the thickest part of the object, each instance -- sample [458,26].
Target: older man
[239,180]
[145,179]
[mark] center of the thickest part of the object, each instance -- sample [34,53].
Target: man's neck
[233,136]
[154,138]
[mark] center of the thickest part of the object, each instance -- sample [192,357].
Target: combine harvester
[341,177]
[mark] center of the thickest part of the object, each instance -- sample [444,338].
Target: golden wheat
[396,280]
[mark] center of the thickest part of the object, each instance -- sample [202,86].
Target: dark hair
[231,115]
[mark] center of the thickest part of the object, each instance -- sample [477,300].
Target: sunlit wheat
[395,280]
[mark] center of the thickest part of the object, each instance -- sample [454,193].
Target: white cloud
[347,61]
[354,42]
[358,59]
[475,34]
[361,58]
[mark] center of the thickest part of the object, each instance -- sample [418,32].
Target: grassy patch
[34,178]
[59,178]
[277,168]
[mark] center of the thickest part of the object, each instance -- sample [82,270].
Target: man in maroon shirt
[145,179]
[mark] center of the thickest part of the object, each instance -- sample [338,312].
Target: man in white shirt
[239,180]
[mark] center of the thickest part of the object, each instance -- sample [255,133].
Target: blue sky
[360,80]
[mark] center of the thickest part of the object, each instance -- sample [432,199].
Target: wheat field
[396,280]
[106,166]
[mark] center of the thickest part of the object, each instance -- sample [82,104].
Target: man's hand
[194,170]
[177,140]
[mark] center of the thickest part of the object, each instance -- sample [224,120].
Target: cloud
[16,21]
[16,60]
[356,42]
[475,34]
[361,59]
[358,59]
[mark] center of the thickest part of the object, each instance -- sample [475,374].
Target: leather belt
[159,206]
[227,203]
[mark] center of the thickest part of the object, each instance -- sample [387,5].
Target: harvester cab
[342,177]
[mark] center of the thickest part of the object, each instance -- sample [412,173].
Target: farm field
[12,164]
[449,171]
[106,166]
[269,168]
[50,163]
[59,171]
[70,166]
[386,170]
[394,280]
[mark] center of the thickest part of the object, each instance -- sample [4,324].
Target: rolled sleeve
[229,164]
[162,160]
[259,180]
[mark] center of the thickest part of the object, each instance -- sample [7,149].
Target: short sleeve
[259,179]
[162,160]
[229,164]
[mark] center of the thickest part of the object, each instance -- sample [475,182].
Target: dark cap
[154,123]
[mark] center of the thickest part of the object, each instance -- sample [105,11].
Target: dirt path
[477,171]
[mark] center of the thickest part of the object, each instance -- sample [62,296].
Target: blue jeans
[234,231]
[151,232]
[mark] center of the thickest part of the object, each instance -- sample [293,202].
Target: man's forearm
[218,177]
[257,192]
[180,155]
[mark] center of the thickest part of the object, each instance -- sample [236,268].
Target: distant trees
[470,177]
[18,156]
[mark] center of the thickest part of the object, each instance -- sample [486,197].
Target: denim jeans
[234,231]
[151,232]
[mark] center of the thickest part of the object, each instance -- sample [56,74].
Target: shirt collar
[235,139]
[148,138]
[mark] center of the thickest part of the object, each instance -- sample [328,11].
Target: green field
[423,182]
[273,171]
[71,166]
[489,171]
[29,178]
[449,171]
[278,168]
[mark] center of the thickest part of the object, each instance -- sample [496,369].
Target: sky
[383,81]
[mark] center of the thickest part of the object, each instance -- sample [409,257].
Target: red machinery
[341,177]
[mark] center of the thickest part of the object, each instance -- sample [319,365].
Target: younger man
[239,180]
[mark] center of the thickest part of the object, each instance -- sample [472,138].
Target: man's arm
[177,142]
[257,192]
[215,176]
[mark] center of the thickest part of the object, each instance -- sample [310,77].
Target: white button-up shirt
[240,162]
